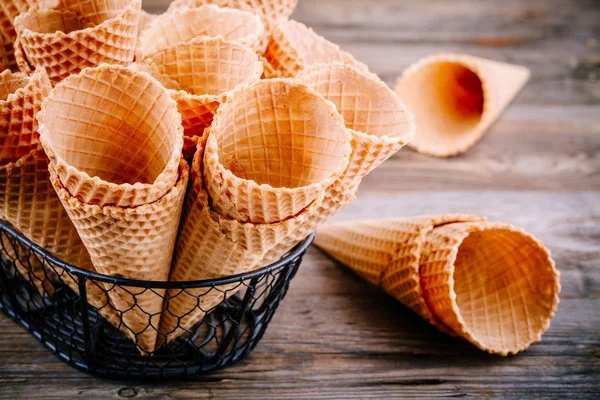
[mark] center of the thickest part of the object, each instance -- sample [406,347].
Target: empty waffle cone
[200,74]
[271,11]
[134,243]
[380,126]
[293,47]
[209,247]
[113,135]
[77,35]
[182,25]
[28,202]
[21,97]
[489,283]
[273,148]
[456,98]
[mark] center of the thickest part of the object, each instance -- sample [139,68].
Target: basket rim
[297,251]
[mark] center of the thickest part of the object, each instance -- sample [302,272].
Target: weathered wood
[538,168]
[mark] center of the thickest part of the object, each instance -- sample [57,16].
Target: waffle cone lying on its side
[271,11]
[489,283]
[294,46]
[213,246]
[199,74]
[456,98]
[380,126]
[118,131]
[76,35]
[210,21]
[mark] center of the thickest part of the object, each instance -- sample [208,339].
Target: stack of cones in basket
[261,170]
[489,283]
[271,160]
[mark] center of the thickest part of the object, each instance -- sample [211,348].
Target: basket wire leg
[237,320]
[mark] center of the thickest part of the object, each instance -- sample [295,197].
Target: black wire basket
[64,321]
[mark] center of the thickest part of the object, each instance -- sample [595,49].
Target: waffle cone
[113,135]
[21,97]
[273,148]
[134,243]
[489,283]
[209,247]
[293,47]
[189,70]
[77,35]
[456,98]
[380,126]
[28,202]
[271,11]
[206,21]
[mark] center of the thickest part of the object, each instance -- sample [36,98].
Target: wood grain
[538,168]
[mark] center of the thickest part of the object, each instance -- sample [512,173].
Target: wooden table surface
[539,168]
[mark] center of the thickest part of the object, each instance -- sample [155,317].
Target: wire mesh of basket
[52,300]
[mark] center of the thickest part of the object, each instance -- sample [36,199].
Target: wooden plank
[336,336]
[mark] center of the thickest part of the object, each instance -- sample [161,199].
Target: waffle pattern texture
[200,74]
[380,126]
[78,34]
[490,283]
[272,12]
[114,135]
[273,148]
[183,25]
[293,46]
[21,97]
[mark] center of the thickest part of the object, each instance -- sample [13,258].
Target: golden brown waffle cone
[65,41]
[456,98]
[114,136]
[28,202]
[380,125]
[182,25]
[210,246]
[21,97]
[271,11]
[135,243]
[489,283]
[293,47]
[200,73]
[273,148]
